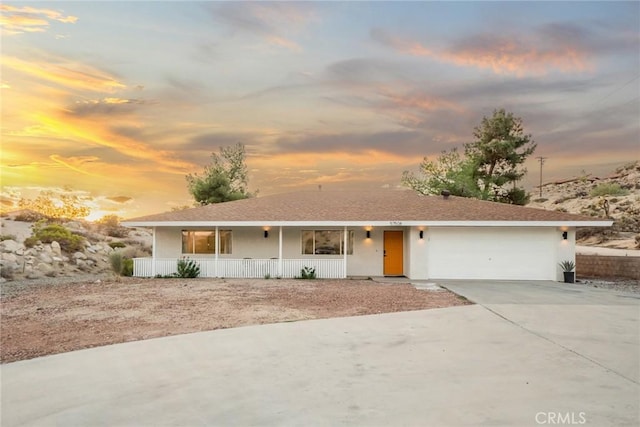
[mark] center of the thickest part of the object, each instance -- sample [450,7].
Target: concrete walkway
[526,354]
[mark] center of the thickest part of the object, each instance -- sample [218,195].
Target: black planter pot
[569,276]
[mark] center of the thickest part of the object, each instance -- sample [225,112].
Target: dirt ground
[42,319]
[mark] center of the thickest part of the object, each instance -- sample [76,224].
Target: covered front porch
[244,268]
[249,251]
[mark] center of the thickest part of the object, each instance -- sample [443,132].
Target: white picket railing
[243,268]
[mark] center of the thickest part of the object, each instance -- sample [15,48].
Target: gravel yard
[57,315]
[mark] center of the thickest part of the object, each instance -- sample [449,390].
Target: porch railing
[242,268]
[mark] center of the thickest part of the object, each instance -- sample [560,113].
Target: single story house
[364,234]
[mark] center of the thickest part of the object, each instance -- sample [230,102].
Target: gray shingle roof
[359,206]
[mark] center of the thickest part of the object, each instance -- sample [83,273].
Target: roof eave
[493,223]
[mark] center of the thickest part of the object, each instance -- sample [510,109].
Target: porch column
[153,253]
[280,252]
[345,249]
[217,251]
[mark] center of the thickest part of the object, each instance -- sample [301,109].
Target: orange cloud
[74,163]
[87,132]
[420,102]
[17,20]
[502,55]
[68,74]
[507,56]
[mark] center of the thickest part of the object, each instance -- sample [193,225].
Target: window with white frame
[204,241]
[326,242]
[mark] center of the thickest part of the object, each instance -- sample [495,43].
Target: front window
[204,242]
[326,242]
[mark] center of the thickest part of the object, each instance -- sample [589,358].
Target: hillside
[616,196]
[21,259]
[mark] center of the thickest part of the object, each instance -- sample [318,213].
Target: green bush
[608,189]
[116,245]
[308,273]
[117,262]
[47,233]
[127,267]
[30,242]
[187,268]
[4,237]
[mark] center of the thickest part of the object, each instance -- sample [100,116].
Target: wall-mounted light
[266,233]
[368,234]
[421,234]
[565,235]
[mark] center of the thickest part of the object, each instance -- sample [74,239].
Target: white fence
[243,268]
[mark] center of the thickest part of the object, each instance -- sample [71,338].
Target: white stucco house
[387,233]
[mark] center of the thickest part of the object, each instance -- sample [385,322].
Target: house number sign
[395,222]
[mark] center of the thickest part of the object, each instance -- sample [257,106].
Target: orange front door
[393,248]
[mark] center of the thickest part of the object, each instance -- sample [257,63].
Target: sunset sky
[119,100]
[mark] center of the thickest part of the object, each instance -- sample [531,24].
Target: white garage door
[492,253]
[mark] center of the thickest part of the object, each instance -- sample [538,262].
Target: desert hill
[24,257]
[616,196]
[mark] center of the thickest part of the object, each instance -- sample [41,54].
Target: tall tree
[489,169]
[500,149]
[223,180]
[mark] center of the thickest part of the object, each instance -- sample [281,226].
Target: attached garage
[504,253]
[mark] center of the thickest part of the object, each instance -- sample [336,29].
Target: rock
[91,249]
[9,257]
[10,246]
[44,268]
[55,247]
[78,256]
[33,275]
[45,257]
[47,249]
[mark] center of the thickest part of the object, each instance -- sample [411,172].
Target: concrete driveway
[527,354]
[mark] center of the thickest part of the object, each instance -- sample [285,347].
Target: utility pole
[541,160]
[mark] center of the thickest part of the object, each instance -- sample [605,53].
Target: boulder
[8,256]
[45,257]
[44,268]
[78,256]
[10,246]
[55,247]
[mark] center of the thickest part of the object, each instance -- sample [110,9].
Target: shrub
[308,273]
[608,189]
[127,267]
[6,272]
[30,242]
[187,268]
[540,200]
[4,237]
[29,216]
[47,233]
[116,260]
[116,245]
[110,224]
[568,265]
